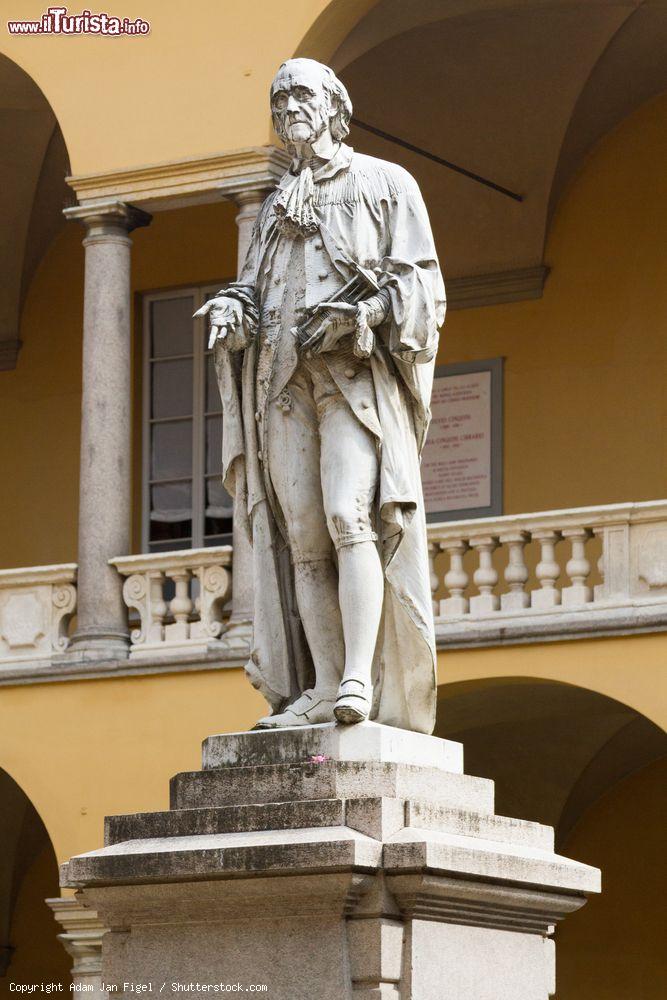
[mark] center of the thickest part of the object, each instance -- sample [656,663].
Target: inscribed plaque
[457,463]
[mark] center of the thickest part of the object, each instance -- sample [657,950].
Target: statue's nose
[292,103]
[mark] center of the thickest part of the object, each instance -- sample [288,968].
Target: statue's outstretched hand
[226,318]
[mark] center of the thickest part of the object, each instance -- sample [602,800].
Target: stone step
[328,780]
[432,816]
[224,819]
[367,741]
[375,817]
[204,857]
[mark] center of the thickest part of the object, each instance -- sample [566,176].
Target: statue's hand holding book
[332,320]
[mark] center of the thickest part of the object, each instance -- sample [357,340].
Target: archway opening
[33,193]
[595,770]
[29,950]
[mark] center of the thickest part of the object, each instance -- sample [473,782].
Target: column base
[98,644]
[330,862]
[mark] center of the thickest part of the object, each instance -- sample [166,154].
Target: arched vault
[518,92]
[552,748]
[33,167]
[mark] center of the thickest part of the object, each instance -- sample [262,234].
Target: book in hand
[361,286]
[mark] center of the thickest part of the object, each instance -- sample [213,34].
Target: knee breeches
[323,464]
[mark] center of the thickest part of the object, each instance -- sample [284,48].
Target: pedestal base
[332,862]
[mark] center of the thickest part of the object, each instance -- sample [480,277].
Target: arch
[331,27]
[553,748]
[629,72]
[28,875]
[499,87]
[33,166]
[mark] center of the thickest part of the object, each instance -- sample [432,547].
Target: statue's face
[301,108]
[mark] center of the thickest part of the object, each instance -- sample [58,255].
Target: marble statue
[324,351]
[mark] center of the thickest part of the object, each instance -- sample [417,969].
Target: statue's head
[308,99]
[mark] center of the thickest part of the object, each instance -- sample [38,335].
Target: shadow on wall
[553,749]
[614,947]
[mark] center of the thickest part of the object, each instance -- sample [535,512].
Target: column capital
[107,216]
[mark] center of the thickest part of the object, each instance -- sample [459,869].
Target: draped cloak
[371,212]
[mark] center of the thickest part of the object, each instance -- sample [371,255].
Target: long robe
[371,212]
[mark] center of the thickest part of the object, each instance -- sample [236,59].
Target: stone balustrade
[189,620]
[520,578]
[36,605]
[550,574]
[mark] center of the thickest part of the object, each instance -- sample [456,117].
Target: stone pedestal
[332,862]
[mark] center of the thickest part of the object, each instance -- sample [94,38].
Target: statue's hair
[340,123]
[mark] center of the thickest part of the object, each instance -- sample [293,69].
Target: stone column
[248,197]
[105,477]
[82,939]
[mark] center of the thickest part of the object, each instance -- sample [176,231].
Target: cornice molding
[496,288]
[9,352]
[191,181]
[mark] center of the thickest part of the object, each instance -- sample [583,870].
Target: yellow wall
[41,399]
[585,401]
[629,669]
[216,109]
[86,749]
[614,948]
[41,402]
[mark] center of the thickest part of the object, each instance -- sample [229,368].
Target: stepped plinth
[332,862]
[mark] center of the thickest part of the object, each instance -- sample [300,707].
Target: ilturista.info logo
[58,21]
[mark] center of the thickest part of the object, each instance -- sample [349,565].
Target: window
[184,503]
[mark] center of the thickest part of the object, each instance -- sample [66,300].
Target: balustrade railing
[595,566]
[524,577]
[36,605]
[189,619]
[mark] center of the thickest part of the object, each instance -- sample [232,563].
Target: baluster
[143,592]
[547,571]
[180,606]
[516,572]
[215,587]
[433,551]
[577,568]
[456,580]
[485,576]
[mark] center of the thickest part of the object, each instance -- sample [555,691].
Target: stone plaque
[462,462]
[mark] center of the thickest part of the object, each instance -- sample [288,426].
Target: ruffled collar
[293,206]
